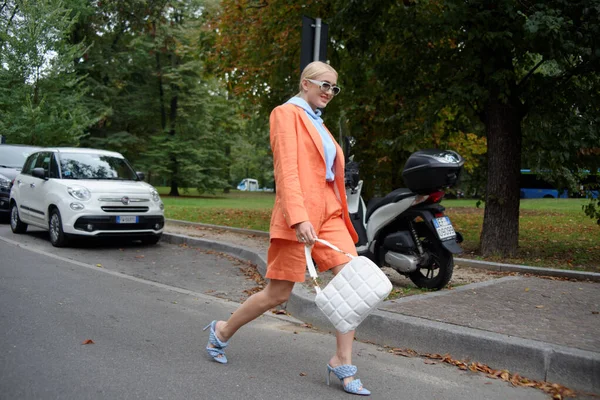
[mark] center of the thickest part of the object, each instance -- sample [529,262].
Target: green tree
[523,74]
[251,154]
[121,74]
[41,95]
[485,58]
[258,47]
[162,108]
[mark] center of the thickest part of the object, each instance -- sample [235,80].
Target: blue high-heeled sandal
[346,371]
[216,352]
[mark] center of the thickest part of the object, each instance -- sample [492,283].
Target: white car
[84,192]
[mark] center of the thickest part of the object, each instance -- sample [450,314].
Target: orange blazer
[299,163]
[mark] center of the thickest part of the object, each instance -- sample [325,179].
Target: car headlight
[4,182]
[155,195]
[79,193]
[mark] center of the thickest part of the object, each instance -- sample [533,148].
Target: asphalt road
[145,315]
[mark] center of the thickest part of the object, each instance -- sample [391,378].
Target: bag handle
[311,266]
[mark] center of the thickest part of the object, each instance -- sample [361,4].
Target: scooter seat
[391,197]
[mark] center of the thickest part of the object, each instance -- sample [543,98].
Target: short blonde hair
[315,69]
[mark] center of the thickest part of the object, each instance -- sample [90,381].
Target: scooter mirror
[349,142]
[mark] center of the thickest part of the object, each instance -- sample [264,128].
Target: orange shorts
[286,260]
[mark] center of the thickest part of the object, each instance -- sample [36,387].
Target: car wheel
[151,239]
[58,238]
[16,225]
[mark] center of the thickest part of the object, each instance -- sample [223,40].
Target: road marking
[115,273]
[203,296]
[147,282]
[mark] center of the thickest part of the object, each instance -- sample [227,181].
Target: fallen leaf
[404,352]
[89,341]
[99,265]
[595,312]
[527,289]
[302,374]
[430,362]
[309,326]
[539,306]
[140,256]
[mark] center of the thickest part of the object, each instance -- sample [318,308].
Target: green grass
[567,205]
[249,210]
[553,232]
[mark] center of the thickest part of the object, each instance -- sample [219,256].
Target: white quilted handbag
[353,293]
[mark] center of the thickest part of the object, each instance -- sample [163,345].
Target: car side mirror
[40,173]
[141,176]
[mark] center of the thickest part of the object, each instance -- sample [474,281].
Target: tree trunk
[174,188]
[161,93]
[172,131]
[500,235]
[227,188]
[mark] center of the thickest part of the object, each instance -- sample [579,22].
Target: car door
[38,189]
[22,189]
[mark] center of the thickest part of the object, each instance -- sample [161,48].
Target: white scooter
[407,229]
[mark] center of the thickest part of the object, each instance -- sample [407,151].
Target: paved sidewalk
[543,329]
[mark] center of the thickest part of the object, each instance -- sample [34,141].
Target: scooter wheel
[437,271]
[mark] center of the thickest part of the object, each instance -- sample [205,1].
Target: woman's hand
[305,232]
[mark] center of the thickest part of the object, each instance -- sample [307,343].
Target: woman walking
[310,202]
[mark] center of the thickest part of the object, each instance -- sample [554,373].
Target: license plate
[444,228]
[127,219]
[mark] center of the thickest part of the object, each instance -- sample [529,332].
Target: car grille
[125,209]
[109,223]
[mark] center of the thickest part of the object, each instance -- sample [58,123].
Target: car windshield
[14,156]
[95,166]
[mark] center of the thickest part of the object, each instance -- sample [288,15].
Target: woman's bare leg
[344,341]
[276,293]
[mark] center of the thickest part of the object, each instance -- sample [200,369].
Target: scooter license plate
[444,227]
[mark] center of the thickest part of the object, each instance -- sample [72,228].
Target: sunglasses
[326,86]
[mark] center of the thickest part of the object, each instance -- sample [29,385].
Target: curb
[558,273]
[577,369]
[238,251]
[467,262]
[220,227]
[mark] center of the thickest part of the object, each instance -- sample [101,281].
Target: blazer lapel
[312,131]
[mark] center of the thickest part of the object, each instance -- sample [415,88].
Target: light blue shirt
[328,146]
